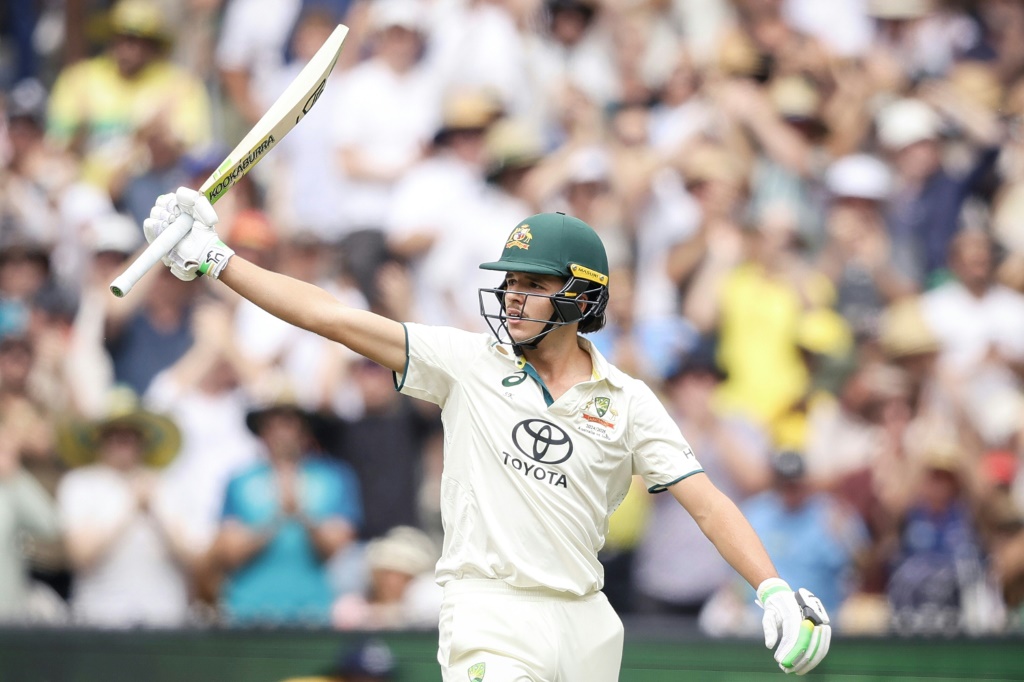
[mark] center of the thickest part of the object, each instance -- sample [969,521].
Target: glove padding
[797,622]
[200,251]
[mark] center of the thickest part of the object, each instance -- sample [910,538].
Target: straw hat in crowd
[78,442]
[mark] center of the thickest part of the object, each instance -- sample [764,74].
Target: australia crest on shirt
[598,418]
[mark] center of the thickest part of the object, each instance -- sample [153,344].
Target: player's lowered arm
[311,308]
[724,524]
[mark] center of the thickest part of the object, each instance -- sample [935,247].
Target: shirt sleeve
[660,453]
[435,359]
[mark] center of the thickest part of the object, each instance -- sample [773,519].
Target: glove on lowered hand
[797,623]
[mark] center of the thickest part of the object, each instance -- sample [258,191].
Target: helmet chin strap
[532,342]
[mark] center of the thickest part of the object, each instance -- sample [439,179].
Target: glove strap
[216,260]
[771,586]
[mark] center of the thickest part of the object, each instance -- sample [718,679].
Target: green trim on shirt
[405,370]
[663,488]
[532,373]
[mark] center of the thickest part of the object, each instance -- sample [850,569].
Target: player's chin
[522,330]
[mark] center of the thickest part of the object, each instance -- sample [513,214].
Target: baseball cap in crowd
[788,465]
[905,122]
[27,100]
[859,176]
[139,19]
[407,14]
[588,165]
[115,232]
[697,360]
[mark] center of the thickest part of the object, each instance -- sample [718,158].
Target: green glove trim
[216,259]
[772,586]
[803,641]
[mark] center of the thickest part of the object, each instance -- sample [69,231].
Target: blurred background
[814,213]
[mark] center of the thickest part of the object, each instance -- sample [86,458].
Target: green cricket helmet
[563,246]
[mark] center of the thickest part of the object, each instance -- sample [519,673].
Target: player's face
[527,309]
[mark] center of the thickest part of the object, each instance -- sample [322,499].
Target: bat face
[229,173]
[294,103]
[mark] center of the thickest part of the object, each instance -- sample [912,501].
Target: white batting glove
[200,251]
[797,623]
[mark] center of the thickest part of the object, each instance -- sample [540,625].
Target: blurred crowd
[814,213]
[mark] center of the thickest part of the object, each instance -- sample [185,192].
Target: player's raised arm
[201,252]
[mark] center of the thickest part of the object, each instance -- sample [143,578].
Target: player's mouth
[514,315]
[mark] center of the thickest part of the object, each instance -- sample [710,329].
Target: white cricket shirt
[528,487]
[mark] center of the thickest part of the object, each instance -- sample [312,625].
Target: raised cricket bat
[294,103]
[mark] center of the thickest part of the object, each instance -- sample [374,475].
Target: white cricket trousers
[492,632]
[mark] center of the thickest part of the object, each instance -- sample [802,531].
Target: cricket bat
[283,115]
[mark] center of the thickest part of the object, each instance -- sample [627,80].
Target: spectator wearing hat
[434,201]
[402,593]
[734,451]
[924,212]
[387,109]
[857,253]
[99,104]
[812,536]
[282,520]
[940,567]
[512,151]
[131,557]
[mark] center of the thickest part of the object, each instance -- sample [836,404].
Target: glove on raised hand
[200,251]
[797,623]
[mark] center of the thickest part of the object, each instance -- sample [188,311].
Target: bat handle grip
[156,250]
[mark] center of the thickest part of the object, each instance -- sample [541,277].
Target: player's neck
[560,361]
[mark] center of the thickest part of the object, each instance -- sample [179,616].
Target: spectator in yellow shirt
[98,105]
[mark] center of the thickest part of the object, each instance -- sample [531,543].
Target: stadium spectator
[401,592]
[150,332]
[980,327]
[130,553]
[734,453]
[857,252]
[431,202]
[940,569]
[923,214]
[97,106]
[789,515]
[26,508]
[282,520]
[386,109]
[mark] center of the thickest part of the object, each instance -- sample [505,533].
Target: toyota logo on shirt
[542,441]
